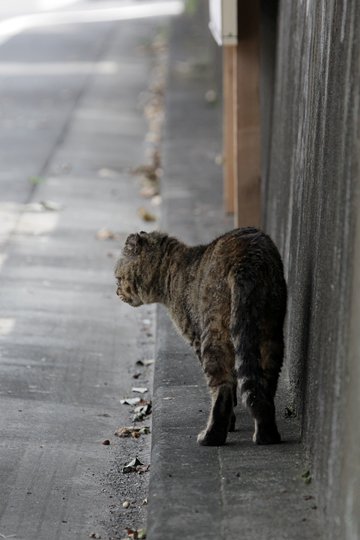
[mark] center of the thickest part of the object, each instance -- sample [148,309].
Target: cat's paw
[266,435]
[211,438]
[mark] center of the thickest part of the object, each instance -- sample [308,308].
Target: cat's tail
[248,302]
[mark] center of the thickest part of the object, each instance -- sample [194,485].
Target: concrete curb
[240,489]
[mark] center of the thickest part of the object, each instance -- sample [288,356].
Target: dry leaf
[106,234]
[146,215]
[149,191]
[144,362]
[130,401]
[141,412]
[134,534]
[139,389]
[135,465]
[131,431]
[156,200]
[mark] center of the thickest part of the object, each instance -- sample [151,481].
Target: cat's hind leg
[233,415]
[258,385]
[218,362]
[272,353]
[256,380]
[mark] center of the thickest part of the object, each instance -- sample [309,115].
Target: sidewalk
[239,491]
[68,346]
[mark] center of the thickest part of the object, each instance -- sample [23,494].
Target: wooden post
[230,126]
[247,196]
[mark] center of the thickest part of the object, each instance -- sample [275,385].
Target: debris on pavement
[306,476]
[136,534]
[145,363]
[106,442]
[149,191]
[145,215]
[132,431]
[106,234]
[135,465]
[130,401]
[139,389]
[142,411]
[156,200]
[94,535]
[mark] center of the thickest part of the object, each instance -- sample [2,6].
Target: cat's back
[242,242]
[246,246]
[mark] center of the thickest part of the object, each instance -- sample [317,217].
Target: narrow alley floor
[71,106]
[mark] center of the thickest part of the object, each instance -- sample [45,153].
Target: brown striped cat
[228,299]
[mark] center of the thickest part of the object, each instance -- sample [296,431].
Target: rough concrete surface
[311,212]
[239,490]
[68,347]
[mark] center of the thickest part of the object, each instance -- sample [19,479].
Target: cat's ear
[133,244]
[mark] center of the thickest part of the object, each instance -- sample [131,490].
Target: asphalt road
[72,128]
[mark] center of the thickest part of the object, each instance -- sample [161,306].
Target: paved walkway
[238,491]
[73,124]
[68,348]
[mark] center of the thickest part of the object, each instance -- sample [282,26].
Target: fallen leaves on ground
[149,171]
[136,534]
[139,389]
[142,411]
[107,234]
[132,431]
[306,476]
[149,191]
[145,215]
[135,465]
[130,401]
[144,362]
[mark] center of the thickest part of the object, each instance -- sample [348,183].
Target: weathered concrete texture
[310,212]
[68,347]
[239,490]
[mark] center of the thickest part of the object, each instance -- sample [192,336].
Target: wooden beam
[247,197]
[230,126]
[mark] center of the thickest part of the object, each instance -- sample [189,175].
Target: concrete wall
[311,182]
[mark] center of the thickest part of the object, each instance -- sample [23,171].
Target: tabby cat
[228,299]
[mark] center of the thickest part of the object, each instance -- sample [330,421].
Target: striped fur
[228,300]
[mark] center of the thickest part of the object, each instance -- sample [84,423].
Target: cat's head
[137,270]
